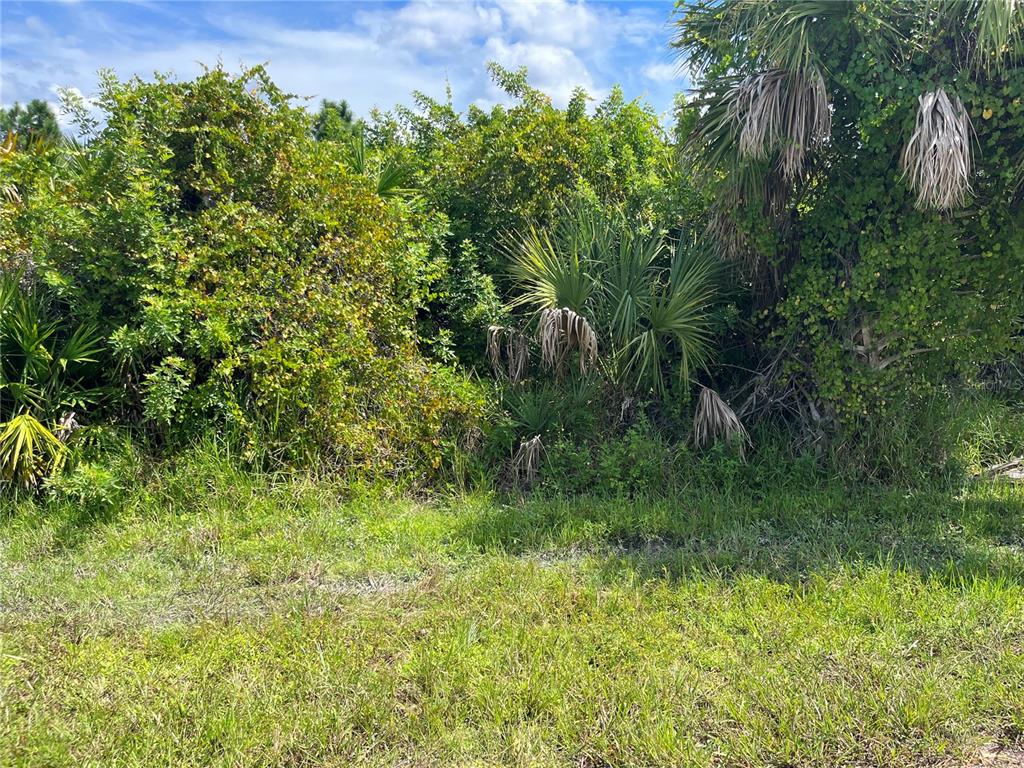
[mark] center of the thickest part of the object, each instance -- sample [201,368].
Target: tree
[35,120]
[334,121]
[867,162]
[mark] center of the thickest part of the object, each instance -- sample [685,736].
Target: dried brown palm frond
[8,145]
[526,463]
[9,192]
[729,241]
[781,110]
[510,358]
[937,158]
[714,421]
[561,332]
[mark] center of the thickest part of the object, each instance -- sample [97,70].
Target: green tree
[866,159]
[334,121]
[35,120]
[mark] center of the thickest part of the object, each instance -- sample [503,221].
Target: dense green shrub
[249,279]
[506,169]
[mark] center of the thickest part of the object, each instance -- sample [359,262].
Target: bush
[249,280]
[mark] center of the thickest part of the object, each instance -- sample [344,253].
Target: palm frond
[936,160]
[784,112]
[992,30]
[526,463]
[508,359]
[765,34]
[392,178]
[714,421]
[628,280]
[549,277]
[562,332]
[998,29]
[28,451]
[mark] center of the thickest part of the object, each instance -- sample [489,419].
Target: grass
[217,618]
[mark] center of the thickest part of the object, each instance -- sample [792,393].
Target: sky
[368,53]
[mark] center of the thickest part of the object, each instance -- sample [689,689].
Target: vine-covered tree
[867,161]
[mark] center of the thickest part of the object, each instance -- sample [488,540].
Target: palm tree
[819,122]
[767,83]
[634,306]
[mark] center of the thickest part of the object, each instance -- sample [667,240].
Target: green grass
[219,618]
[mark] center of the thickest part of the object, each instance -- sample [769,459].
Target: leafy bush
[249,278]
[489,172]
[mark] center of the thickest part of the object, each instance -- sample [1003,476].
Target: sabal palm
[647,304]
[765,93]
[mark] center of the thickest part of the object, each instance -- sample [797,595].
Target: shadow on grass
[787,536]
[68,524]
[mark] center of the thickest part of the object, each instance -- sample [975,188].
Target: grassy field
[220,619]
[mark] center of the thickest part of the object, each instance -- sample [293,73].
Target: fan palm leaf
[28,451]
[549,277]
[714,421]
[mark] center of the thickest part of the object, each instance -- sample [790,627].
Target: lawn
[217,618]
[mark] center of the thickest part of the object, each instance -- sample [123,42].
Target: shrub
[504,169]
[251,280]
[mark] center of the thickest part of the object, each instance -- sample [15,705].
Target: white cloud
[662,72]
[436,27]
[552,21]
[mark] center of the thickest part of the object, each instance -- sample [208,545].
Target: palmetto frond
[562,332]
[769,34]
[508,352]
[714,421]
[671,325]
[43,368]
[526,463]
[998,30]
[28,450]
[937,158]
[992,30]
[594,281]
[549,277]
[390,175]
[777,115]
[628,283]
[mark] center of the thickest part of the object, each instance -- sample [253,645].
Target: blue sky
[370,53]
